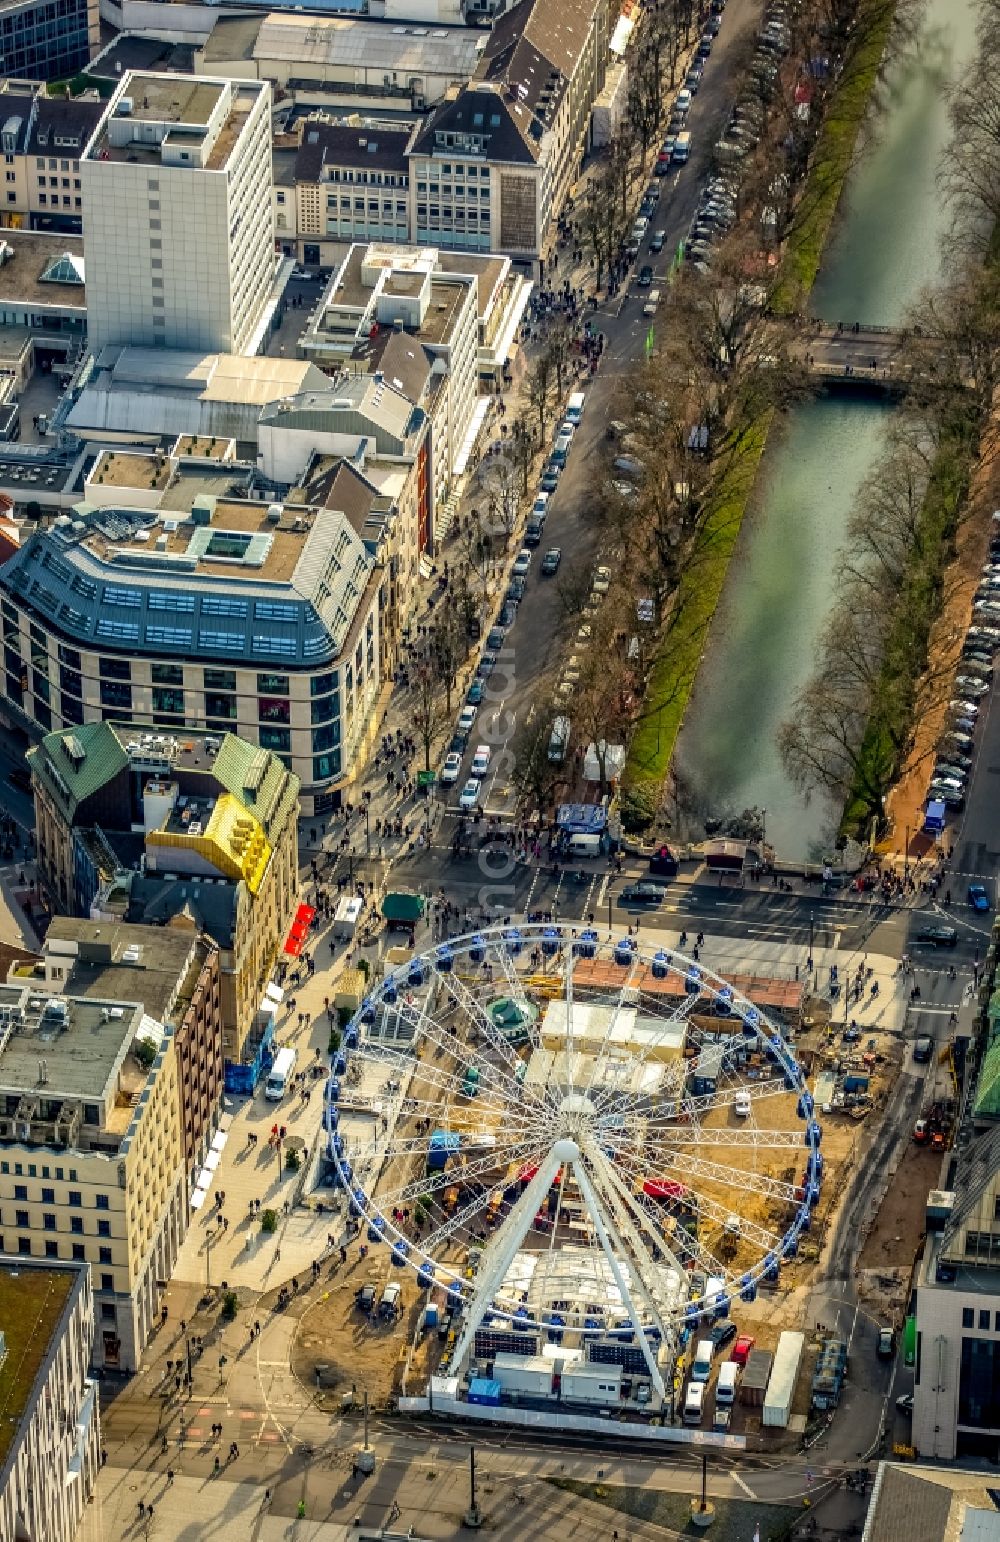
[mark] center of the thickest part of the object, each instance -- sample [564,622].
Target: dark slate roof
[506,127]
[63,125]
[403,360]
[350,144]
[212,907]
[13,107]
[133,52]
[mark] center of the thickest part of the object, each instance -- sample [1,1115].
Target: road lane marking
[744,1486]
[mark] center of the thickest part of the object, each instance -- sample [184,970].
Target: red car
[742,1348]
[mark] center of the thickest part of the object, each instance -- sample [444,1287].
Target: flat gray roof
[74,1058]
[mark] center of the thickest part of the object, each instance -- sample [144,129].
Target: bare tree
[539,387]
[430,715]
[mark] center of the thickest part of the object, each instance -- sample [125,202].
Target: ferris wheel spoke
[628,1214]
[455,1224]
[493,1080]
[446,1178]
[686,1135]
[736,1179]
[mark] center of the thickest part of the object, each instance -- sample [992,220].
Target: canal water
[891,240]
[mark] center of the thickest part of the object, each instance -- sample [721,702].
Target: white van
[694,1402]
[281,1070]
[725,1387]
[701,1365]
[346,918]
[559,740]
[574,407]
[682,148]
[652,301]
[584,846]
[560,450]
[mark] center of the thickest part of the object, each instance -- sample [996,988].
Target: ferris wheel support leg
[597,1216]
[500,1258]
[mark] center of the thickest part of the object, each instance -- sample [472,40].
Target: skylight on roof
[67,269]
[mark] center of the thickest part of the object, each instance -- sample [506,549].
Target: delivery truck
[781,1386]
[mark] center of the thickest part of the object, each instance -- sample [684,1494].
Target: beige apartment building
[50,1438]
[91,1158]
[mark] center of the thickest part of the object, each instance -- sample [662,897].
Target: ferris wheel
[570,1134]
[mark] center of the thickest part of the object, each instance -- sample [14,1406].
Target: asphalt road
[540,638]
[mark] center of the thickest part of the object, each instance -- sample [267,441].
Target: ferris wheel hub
[566,1151]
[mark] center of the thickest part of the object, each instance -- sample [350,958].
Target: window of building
[274,738]
[984,1322]
[167,674]
[69,656]
[104,1228]
[968,1317]
[104,1256]
[48,1196]
[24,1244]
[220,679]
[51,1249]
[48,1221]
[76,1224]
[979,1384]
[20,1189]
[270,710]
[107,1282]
[79,1252]
[107,1311]
[22,1218]
[168,701]
[114,694]
[114,669]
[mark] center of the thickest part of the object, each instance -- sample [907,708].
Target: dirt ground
[900,1222]
[906,802]
[335,1334]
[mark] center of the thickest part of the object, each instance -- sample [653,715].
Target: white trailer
[530,1375]
[592,1384]
[781,1384]
[346,918]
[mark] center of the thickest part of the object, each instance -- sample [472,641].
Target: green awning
[407,908]
[986,1104]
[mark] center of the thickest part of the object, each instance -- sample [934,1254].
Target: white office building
[178,213]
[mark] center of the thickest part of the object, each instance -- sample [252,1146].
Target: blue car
[474,694]
[978,897]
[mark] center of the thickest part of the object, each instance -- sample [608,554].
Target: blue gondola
[556,1325]
[477,949]
[593,1324]
[805,1106]
[748,1289]
[513,940]
[692,980]
[520,1319]
[805,1221]
[333,1090]
[814,1133]
[337,1145]
[624,951]
[812,1195]
[346,1173]
[400,1252]
[444,958]
[751,1022]
[351,1036]
[661,964]
[425,1274]
[454,1297]
[624,1331]
[369,1013]
[331,1117]
[390,994]
[416,973]
[692,1312]
[357,1204]
[720,1307]
[550,941]
[376,1228]
[331,1153]
[815,1168]
[772,1269]
[724,1001]
[790,1244]
[339,1063]
[587,945]
[488,1317]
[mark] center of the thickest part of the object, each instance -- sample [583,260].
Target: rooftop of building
[395,272]
[110,958]
[165,902]
[350,143]
[185,107]
[233,38]
[63,124]
[932,1504]
[42,269]
[67,1046]
[33,1299]
[481,122]
[162,392]
[378,407]
[119,468]
[409,48]
[74,764]
[134,51]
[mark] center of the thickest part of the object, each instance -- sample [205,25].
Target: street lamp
[366,803]
[906,856]
[811,934]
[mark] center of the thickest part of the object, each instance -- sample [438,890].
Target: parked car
[904,1404]
[601,581]
[495,637]
[481,760]
[467,717]
[487,664]
[722,1334]
[742,1105]
[549,480]
[886,1347]
[646,275]
[474,694]
[551,561]
[450,769]
[522,562]
[469,797]
[508,613]
[657,243]
[515,590]
[540,507]
[971,685]
[741,1349]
